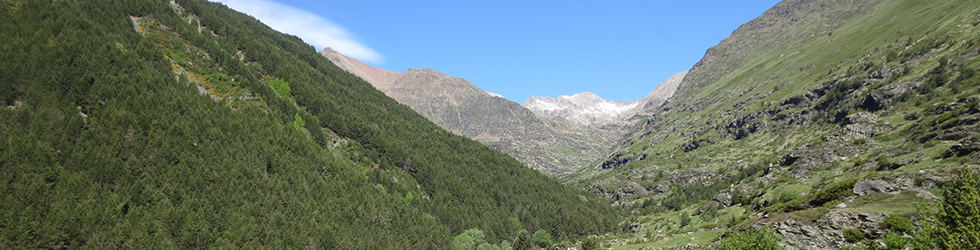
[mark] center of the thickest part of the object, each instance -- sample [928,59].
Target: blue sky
[619,50]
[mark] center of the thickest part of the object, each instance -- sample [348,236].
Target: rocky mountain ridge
[553,146]
[661,93]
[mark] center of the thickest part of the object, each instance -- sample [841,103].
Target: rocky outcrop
[614,189]
[660,187]
[723,197]
[918,183]
[826,232]
[962,148]
[806,157]
[619,158]
[857,126]
[631,190]
[693,176]
[865,187]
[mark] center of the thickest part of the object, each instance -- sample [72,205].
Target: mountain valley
[821,124]
[554,144]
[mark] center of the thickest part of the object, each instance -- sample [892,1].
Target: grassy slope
[103,148]
[772,59]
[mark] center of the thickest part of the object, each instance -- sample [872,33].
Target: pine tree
[958,223]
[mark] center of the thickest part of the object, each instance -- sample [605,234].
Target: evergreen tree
[958,222]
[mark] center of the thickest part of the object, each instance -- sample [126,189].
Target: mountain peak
[379,78]
[425,71]
[581,108]
[660,94]
[587,107]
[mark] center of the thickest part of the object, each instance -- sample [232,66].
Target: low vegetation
[802,120]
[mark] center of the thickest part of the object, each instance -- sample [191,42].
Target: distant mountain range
[587,108]
[582,108]
[552,135]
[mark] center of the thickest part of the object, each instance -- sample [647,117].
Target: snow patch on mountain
[582,108]
[542,105]
[587,108]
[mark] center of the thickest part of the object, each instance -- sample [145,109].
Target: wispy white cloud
[313,29]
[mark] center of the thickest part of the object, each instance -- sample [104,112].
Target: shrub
[590,244]
[853,235]
[409,197]
[298,122]
[541,238]
[894,241]
[898,223]
[735,220]
[505,245]
[685,219]
[281,87]
[751,239]
[834,191]
[861,141]
[515,224]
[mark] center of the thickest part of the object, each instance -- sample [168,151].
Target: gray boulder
[866,187]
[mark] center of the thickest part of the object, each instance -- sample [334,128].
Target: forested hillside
[184,124]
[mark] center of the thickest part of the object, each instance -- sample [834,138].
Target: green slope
[151,124]
[778,122]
